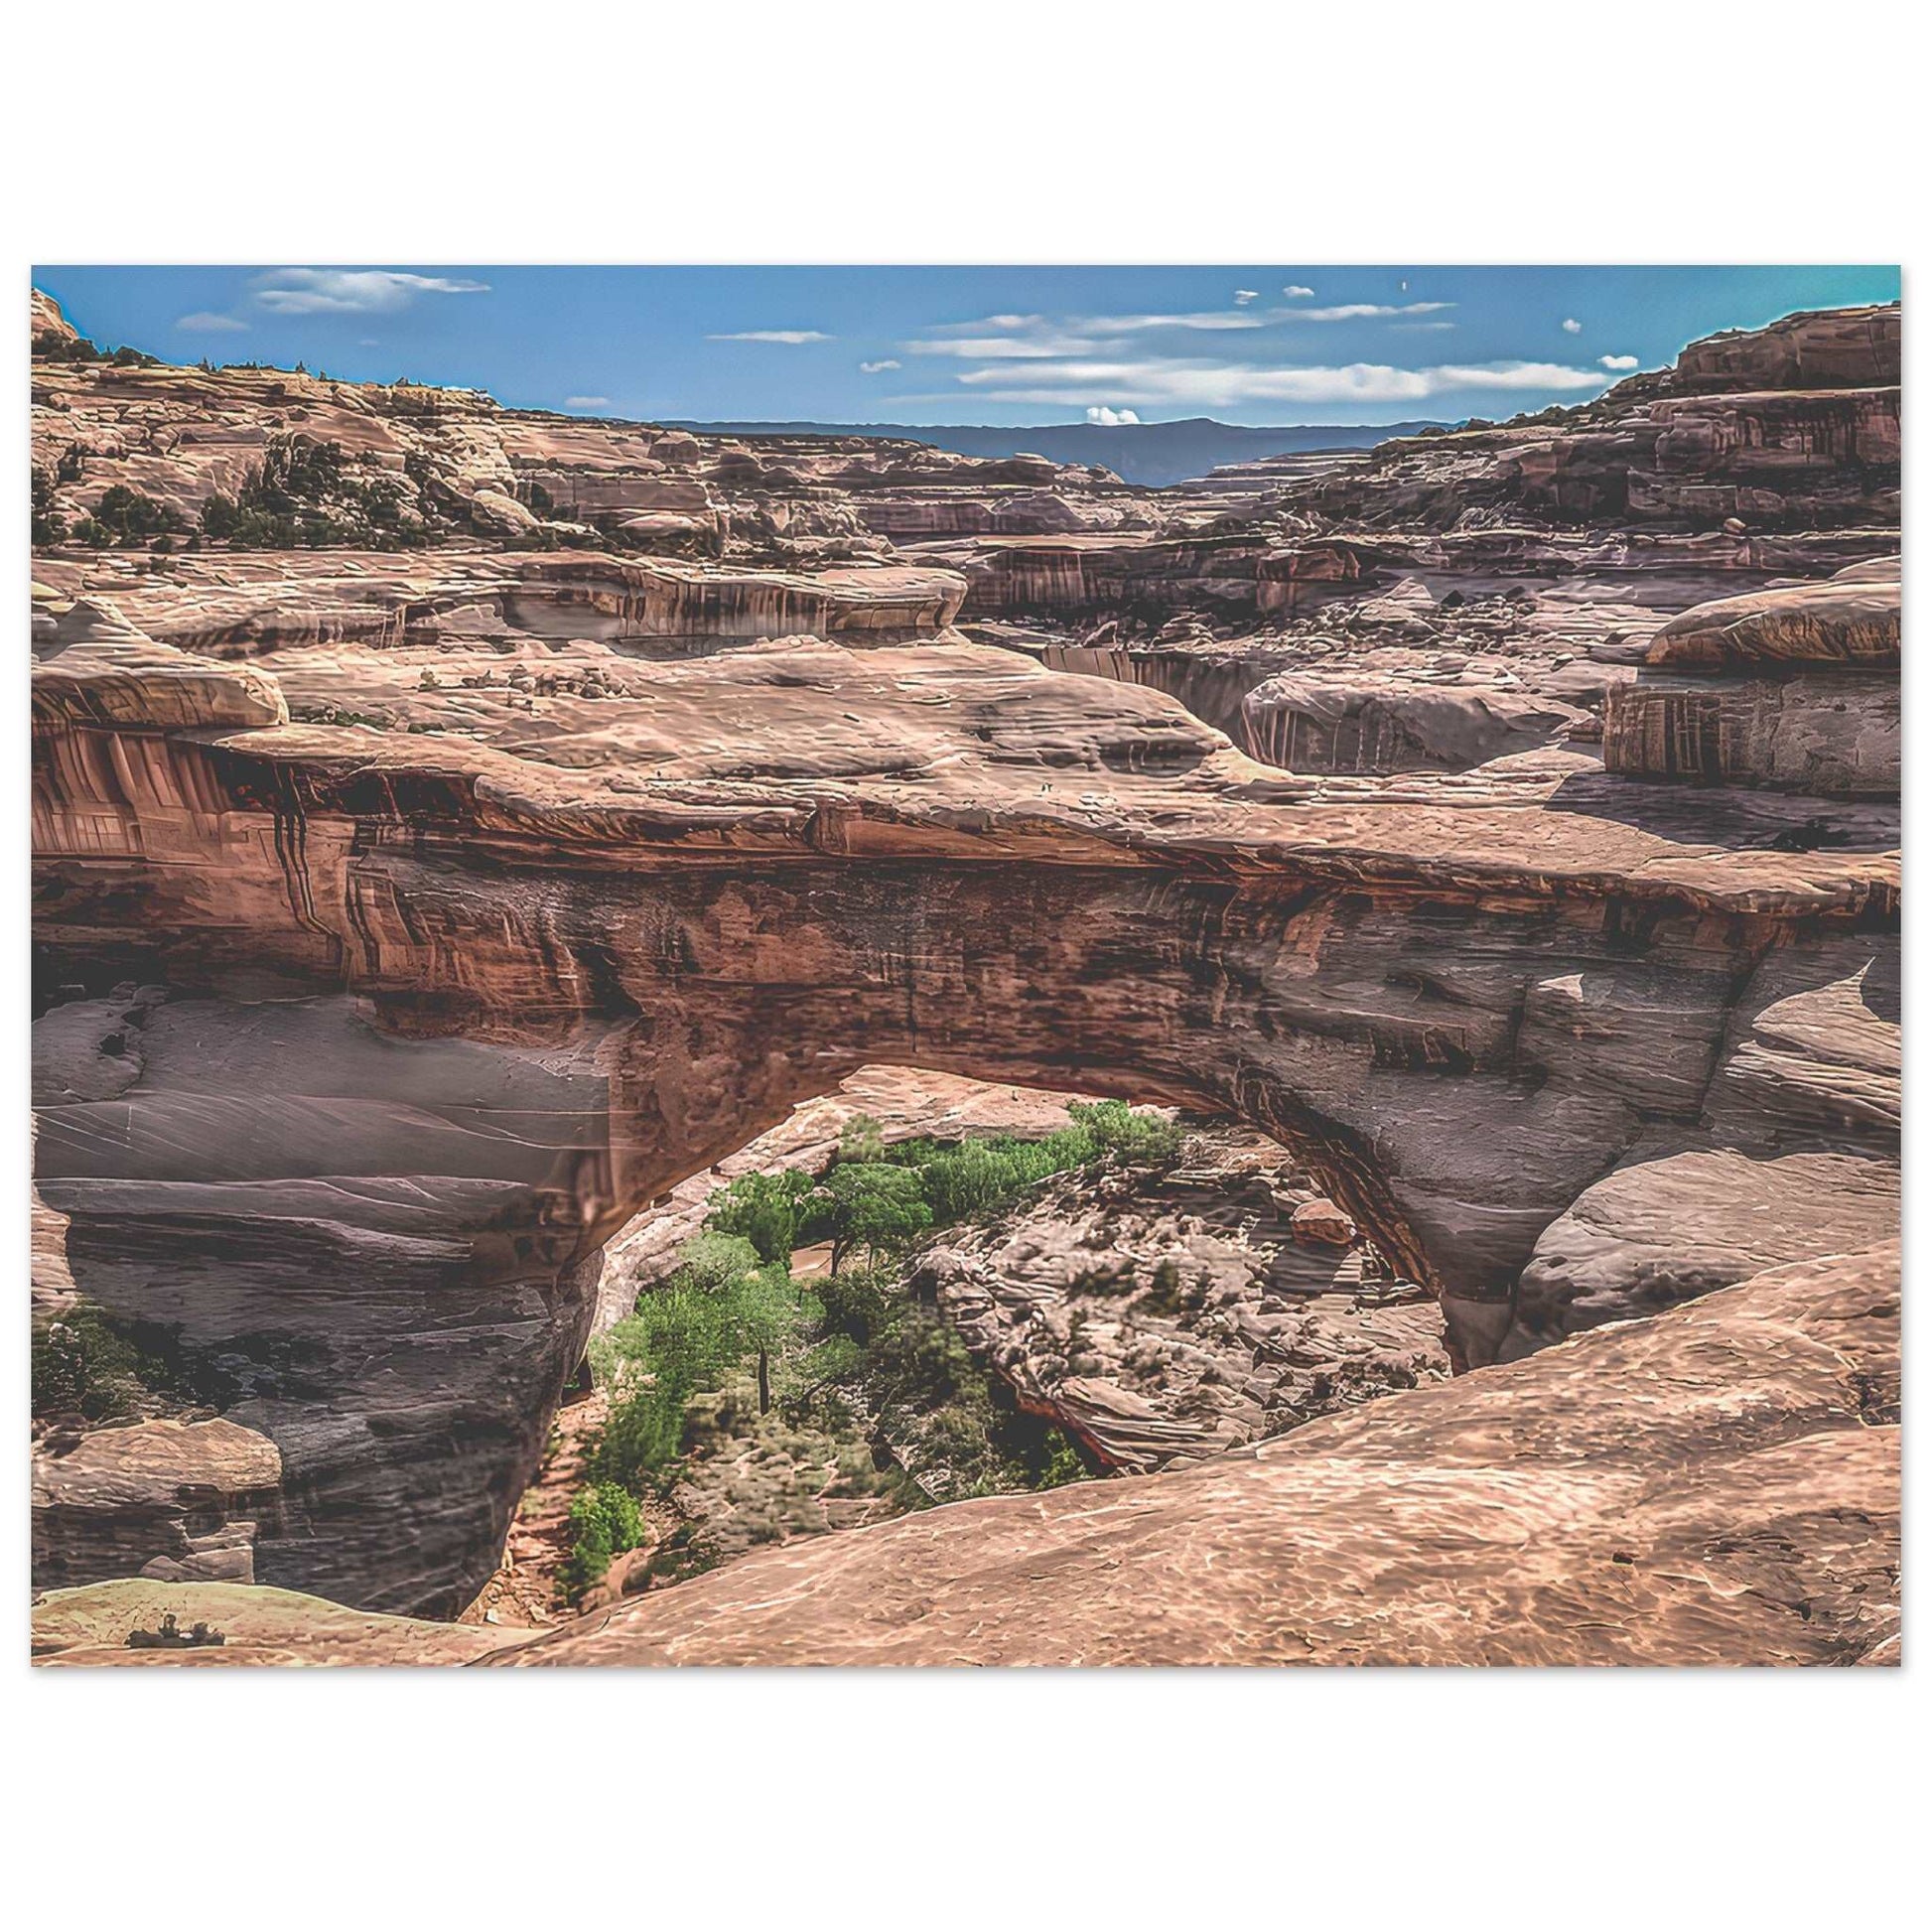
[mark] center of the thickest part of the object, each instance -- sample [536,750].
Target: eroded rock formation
[407,922]
[510,999]
[1170,1313]
[1714,1485]
[1457,597]
[1796,688]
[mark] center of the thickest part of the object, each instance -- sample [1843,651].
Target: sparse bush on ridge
[48,526]
[310,493]
[129,517]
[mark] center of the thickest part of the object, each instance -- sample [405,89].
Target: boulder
[1321,1224]
[179,1501]
[1845,620]
[497,514]
[1827,734]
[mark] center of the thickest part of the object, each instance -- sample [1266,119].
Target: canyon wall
[409,919]
[428,1018]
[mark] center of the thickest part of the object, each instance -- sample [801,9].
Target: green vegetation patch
[309,494]
[605,1522]
[86,1362]
[787,1405]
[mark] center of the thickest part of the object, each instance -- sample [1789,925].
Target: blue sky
[932,345]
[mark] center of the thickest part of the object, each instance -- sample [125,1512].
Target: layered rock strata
[1168,1315]
[1714,1485]
[442,1011]
[1458,597]
[406,923]
[174,1501]
[1795,688]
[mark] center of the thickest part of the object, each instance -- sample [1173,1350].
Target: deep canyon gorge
[454,862]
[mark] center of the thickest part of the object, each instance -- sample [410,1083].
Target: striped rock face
[409,920]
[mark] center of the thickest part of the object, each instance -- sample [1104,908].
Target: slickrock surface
[1718,1486]
[1852,619]
[1714,1485]
[257,1625]
[409,920]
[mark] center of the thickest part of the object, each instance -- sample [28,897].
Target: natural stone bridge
[360,1040]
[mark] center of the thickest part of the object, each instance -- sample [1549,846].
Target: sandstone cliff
[1717,1485]
[408,920]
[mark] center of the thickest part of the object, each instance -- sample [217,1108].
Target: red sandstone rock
[475,914]
[1323,1224]
[1853,622]
[1715,1485]
[169,1500]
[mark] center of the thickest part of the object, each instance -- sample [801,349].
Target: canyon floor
[468,841]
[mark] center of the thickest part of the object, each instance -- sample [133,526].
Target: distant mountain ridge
[1149,454]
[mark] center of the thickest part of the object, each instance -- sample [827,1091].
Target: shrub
[721,1308]
[86,1362]
[605,1521]
[1118,1128]
[49,526]
[130,518]
[49,346]
[764,1210]
[309,492]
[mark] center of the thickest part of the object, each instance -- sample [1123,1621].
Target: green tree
[765,1209]
[720,1307]
[876,1204]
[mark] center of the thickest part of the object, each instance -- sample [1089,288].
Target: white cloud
[1133,325]
[1098,412]
[203,323]
[1514,375]
[876,369]
[352,291]
[1358,310]
[1423,327]
[586,402]
[792,335]
[998,322]
[992,349]
[1034,339]
[1294,291]
[1571,327]
[1619,361]
[1178,382]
